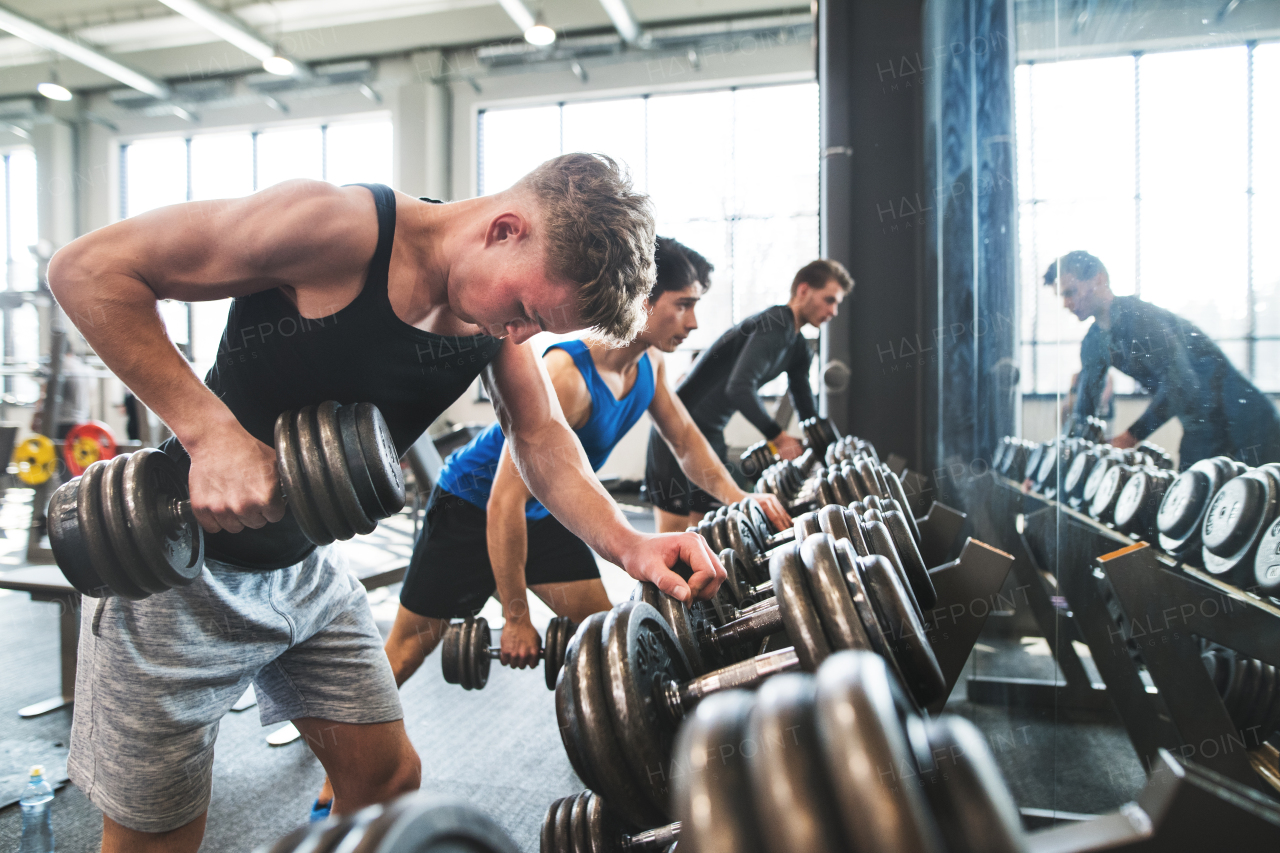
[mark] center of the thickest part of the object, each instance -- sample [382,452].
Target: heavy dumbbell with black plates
[1236,521]
[836,762]
[414,823]
[627,682]
[465,653]
[584,823]
[125,526]
[1250,690]
[1139,502]
[818,432]
[1185,502]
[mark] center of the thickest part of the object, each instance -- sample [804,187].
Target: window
[168,170]
[732,173]
[1146,161]
[18,212]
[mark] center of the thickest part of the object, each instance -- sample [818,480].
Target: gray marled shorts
[156,676]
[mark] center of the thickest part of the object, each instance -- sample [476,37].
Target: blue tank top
[469,471]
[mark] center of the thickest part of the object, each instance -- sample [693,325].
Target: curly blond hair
[599,234]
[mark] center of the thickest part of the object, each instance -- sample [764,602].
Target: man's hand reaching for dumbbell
[234,481]
[773,509]
[520,642]
[789,447]
[655,556]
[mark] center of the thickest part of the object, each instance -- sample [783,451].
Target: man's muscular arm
[698,461]
[309,238]
[508,541]
[550,459]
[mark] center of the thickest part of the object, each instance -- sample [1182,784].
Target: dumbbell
[125,526]
[835,762]
[627,682]
[1250,690]
[1185,501]
[1237,520]
[414,823]
[465,653]
[1139,502]
[585,824]
[818,432]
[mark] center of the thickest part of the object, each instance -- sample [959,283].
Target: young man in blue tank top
[485,532]
[349,294]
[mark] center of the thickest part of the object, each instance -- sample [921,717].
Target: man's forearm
[701,465]
[121,321]
[508,543]
[559,475]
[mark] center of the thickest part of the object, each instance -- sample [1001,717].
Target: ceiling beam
[624,21]
[231,29]
[41,36]
[519,13]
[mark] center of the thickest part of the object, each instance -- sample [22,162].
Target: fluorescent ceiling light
[225,26]
[41,36]
[54,91]
[278,65]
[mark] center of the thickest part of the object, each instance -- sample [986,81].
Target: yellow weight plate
[36,460]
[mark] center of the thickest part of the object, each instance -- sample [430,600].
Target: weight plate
[853,569]
[875,788]
[917,573]
[878,472]
[713,798]
[579,829]
[85,444]
[356,468]
[422,822]
[642,655]
[972,804]
[36,459]
[1096,476]
[70,549]
[563,832]
[173,547]
[830,595]
[831,521]
[872,502]
[704,530]
[873,515]
[602,746]
[853,482]
[1128,515]
[604,829]
[756,515]
[797,608]
[568,720]
[1233,514]
[296,491]
[317,476]
[739,537]
[116,516]
[866,472]
[792,801]
[880,541]
[382,459]
[451,653]
[1266,566]
[335,459]
[465,661]
[1257,691]
[827,493]
[1032,464]
[806,525]
[719,534]
[1077,475]
[1231,698]
[1104,499]
[559,630]
[547,835]
[736,584]
[680,621]
[93,527]
[899,494]
[905,631]
[857,536]
[844,495]
[481,639]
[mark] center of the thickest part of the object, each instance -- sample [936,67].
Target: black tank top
[272,359]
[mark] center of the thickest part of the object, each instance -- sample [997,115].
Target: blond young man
[349,294]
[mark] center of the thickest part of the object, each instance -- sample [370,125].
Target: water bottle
[37,825]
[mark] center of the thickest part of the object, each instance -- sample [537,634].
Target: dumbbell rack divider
[1012,516]
[938,531]
[1167,610]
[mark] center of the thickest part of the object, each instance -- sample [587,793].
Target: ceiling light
[540,34]
[54,91]
[278,65]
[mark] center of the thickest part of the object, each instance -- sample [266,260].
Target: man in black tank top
[348,294]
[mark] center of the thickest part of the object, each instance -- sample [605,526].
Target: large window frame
[1042,341]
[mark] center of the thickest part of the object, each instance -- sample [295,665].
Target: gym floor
[498,748]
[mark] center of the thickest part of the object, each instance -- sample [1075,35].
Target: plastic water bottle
[37,818]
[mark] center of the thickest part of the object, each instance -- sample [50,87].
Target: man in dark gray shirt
[727,379]
[1187,374]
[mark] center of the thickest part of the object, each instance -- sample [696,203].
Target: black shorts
[665,484]
[450,575]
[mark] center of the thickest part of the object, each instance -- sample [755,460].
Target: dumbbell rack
[1151,590]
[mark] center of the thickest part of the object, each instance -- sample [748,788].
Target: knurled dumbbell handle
[652,839]
[760,622]
[679,698]
[496,653]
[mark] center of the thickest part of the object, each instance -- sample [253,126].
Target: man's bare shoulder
[571,387]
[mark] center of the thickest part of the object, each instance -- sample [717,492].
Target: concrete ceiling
[149,37]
